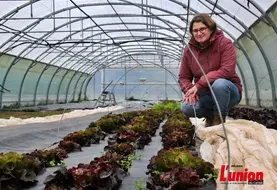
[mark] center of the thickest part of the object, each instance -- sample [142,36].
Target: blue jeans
[227,96]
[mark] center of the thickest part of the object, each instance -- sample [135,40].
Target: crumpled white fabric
[252,145]
[76,113]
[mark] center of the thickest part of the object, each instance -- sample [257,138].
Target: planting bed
[177,165]
[266,117]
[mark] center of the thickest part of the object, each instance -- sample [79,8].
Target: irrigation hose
[218,108]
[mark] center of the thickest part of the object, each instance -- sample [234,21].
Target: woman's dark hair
[205,19]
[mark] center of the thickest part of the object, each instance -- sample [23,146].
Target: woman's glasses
[201,30]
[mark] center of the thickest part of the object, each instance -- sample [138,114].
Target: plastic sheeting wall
[257,73]
[33,83]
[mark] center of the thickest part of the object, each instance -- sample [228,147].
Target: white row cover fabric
[252,146]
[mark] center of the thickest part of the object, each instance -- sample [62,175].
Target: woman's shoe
[217,119]
[209,122]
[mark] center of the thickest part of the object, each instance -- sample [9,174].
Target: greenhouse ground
[29,137]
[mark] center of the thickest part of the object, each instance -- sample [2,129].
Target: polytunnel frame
[155,7]
[93,36]
[171,45]
[86,47]
[230,16]
[46,34]
[56,57]
[85,64]
[70,8]
[44,39]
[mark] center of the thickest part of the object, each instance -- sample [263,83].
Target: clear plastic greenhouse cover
[79,38]
[59,21]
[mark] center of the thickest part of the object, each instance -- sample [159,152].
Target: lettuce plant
[69,146]
[177,139]
[18,171]
[121,148]
[178,169]
[126,135]
[101,173]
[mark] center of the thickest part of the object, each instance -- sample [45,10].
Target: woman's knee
[219,84]
[187,109]
[190,110]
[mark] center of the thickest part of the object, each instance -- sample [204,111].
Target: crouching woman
[216,55]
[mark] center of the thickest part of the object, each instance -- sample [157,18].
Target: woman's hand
[191,96]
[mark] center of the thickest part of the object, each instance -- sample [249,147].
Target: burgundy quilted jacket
[218,60]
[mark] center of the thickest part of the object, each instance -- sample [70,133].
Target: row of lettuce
[176,166]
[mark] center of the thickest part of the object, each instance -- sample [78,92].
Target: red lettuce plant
[177,168]
[143,134]
[145,124]
[101,173]
[126,135]
[173,125]
[61,179]
[121,148]
[154,114]
[95,134]
[69,146]
[177,133]
[78,137]
[178,139]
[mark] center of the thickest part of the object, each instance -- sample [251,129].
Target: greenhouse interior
[138,94]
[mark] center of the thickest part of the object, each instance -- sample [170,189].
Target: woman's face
[201,32]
